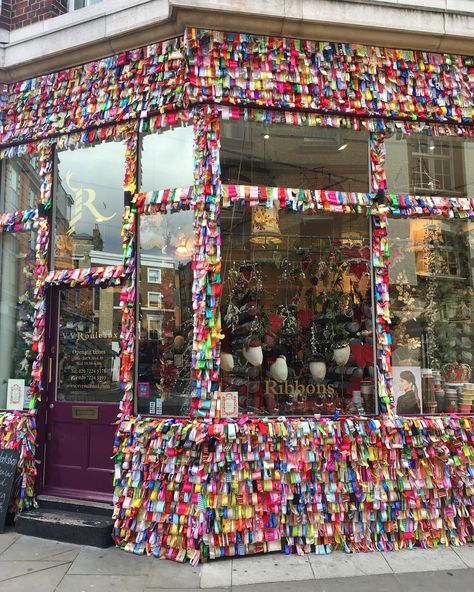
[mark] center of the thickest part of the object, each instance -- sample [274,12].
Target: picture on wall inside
[407,390]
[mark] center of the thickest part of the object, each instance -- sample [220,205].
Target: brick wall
[19,13]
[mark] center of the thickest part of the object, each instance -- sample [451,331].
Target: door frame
[50,373]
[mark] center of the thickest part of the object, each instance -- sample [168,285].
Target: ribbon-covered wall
[242,69]
[125,86]
[207,487]
[190,490]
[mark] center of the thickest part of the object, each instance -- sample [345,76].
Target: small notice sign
[15,393]
[230,404]
[8,464]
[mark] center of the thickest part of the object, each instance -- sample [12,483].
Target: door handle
[51,405]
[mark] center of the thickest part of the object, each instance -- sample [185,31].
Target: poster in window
[407,390]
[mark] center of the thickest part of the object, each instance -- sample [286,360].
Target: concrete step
[68,521]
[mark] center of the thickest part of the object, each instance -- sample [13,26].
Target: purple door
[83,392]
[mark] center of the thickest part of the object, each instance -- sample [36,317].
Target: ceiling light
[343,147]
[266,136]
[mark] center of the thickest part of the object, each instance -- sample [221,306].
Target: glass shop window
[297,312]
[17,282]
[20,183]
[167,159]
[165,317]
[430,165]
[89,206]
[279,155]
[432,305]
[89,345]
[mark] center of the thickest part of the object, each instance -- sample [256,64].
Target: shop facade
[243,266]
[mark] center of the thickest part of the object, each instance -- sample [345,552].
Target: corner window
[432,307]
[165,317]
[294,156]
[88,206]
[297,312]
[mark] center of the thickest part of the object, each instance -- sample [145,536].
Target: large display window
[88,206]
[165,313]
[432,307]
[297,312]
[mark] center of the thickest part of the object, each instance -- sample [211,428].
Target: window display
[297,312]
[432,297]
[280,155]
[17,310]
[166,317]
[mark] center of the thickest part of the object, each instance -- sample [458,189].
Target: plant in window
[317,355]
[333,303]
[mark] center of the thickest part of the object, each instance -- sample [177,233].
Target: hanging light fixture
[265,227]
[181,248]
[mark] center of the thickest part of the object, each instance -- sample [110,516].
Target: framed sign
[15,393]
[230,404]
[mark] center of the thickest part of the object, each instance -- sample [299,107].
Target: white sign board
[15,393]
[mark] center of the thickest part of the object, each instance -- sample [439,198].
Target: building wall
[116,25]
[261,484]
[20,13]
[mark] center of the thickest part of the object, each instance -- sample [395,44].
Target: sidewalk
[29,564]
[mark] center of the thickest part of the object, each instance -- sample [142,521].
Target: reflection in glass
[17,282]
[167,159]
[89,345]
[89,206]
[166,314]
[430,165]
[297,313]
[432,297]
[21,183]
[280,155]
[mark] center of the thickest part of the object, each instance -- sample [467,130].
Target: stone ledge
[102,30]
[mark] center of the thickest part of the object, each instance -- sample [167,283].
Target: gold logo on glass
[84,198]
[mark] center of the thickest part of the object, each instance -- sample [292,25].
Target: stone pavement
[30,564]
